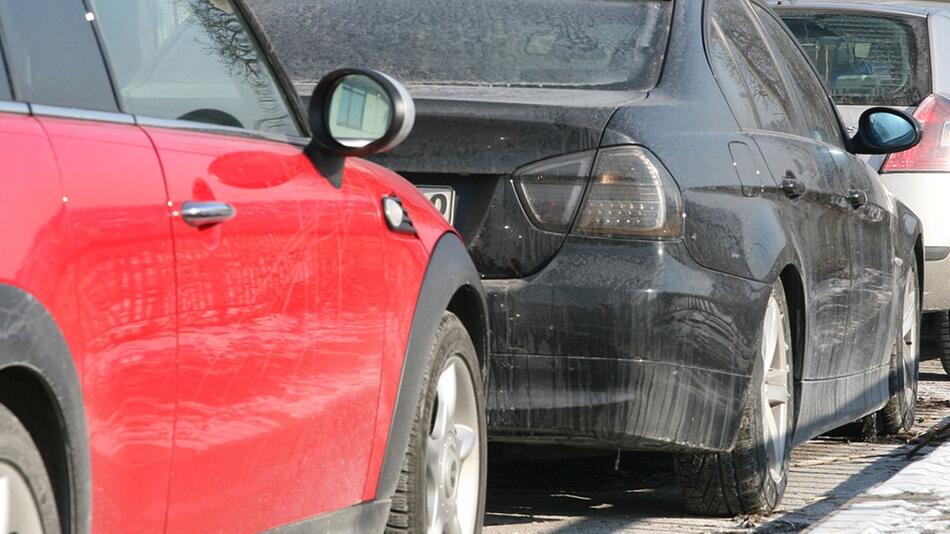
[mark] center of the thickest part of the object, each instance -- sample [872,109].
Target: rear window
[562,43]
[866,59]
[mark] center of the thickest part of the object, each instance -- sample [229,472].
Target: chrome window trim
[43,110]
[202,127]
[18,108]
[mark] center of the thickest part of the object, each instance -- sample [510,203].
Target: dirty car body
[639,339]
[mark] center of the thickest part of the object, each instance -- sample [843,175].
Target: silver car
[894,54]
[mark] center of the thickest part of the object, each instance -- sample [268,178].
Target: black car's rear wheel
[751,478]
[898,414]
[442,484]
[27,504]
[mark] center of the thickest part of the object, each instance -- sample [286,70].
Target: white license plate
[443,198]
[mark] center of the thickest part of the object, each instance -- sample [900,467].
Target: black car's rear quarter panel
[626,344]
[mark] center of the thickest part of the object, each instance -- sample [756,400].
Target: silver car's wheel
[452,453]
[19,511]
[775,387]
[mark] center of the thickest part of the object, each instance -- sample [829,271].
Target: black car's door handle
[792,187]
[857,198]
[206,213]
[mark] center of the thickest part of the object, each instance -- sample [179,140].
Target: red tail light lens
[933,152]
[551,190]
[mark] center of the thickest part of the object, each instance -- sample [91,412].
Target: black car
[681,249]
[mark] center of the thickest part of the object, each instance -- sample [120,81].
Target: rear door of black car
[872,267]
[809,189]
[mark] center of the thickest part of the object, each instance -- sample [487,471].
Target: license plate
[443,198]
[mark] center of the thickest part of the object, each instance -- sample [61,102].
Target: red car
[211,319]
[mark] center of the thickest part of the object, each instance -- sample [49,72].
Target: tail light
[551,190]
[933,152]
[631,195]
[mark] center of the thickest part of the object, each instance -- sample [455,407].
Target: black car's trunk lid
[473,138]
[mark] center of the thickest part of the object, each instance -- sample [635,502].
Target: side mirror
[357,112]
[885,130]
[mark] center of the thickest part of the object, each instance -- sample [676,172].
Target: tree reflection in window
[192,60]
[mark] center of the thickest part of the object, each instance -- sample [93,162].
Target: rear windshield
[476,42]
[866,58]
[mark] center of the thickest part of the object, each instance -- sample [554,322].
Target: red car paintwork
[121,257]
[237,377]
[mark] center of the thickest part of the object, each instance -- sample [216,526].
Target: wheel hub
[449,465]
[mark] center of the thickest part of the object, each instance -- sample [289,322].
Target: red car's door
[280,335]
[281,308]
[119,265]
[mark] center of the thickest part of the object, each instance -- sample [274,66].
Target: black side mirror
[356,112]
[885,130]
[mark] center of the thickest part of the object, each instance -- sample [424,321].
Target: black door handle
[792,187]
[857,198]
[200,214]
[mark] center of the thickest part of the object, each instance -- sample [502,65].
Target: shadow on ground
[600,494]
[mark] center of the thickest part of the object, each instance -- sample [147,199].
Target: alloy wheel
[19,511]
[452,453]
[775,387]
[908,335]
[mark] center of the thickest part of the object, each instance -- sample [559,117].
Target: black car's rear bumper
[622,344]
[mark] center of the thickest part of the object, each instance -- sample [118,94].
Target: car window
[192,60]
[767,90]
[476,42]
[53,56]
[820,121]
[866,58]
[731,80]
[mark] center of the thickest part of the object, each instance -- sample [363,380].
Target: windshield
[478,42]
[866,58]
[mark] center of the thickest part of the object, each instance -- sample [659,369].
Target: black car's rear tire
[898,414]
[433,482]
[28,489]
[751,478]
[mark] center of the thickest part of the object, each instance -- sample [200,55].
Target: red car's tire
[23,475]
[444,471]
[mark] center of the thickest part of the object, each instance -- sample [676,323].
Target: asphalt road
[531,490]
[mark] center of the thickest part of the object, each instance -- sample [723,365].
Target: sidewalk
[917,499]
